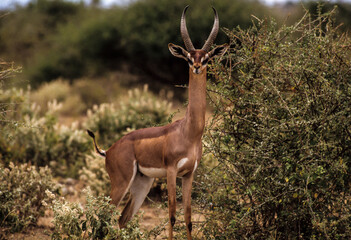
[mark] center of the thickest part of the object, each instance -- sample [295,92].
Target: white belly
[153,172]
[162,172]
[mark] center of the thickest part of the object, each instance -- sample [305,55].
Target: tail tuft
[91,134]
[97,149]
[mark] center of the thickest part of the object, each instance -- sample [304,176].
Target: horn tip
[186,8]
[214,10]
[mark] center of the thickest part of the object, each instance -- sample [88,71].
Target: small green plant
[96,220]
[22,190]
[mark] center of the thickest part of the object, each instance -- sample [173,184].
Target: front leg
[171,188]
[187,181]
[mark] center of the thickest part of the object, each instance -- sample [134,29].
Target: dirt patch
[38,233]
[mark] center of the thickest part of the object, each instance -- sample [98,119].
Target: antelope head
[197,58]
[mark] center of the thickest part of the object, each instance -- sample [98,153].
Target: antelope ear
[178,51]
[218,51]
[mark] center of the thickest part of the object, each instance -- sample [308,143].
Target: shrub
[12,106]
[22,190]
[7,70]
[343,12]
[94,91]
[281,134]
[57,90]
[77,98]
[40,140]
[97,220]
[73,106]
[95,175]
[141,109]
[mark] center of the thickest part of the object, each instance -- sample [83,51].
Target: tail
[98,150]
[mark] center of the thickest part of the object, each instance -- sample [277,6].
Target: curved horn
[184,32]
[213,33]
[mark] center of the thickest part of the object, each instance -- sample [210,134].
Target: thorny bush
[22,190]
[281,134]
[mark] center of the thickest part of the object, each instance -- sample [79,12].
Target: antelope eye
[205,61]
[190,62]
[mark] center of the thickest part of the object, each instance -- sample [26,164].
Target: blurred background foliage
[53,39]
[57,38]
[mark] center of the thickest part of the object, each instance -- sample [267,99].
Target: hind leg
[121,182]
[138,191]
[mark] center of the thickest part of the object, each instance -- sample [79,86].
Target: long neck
[195,115]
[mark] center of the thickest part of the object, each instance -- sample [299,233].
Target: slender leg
[138,191]
[171,187]
[187,181]
[119,185]
[126,213]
